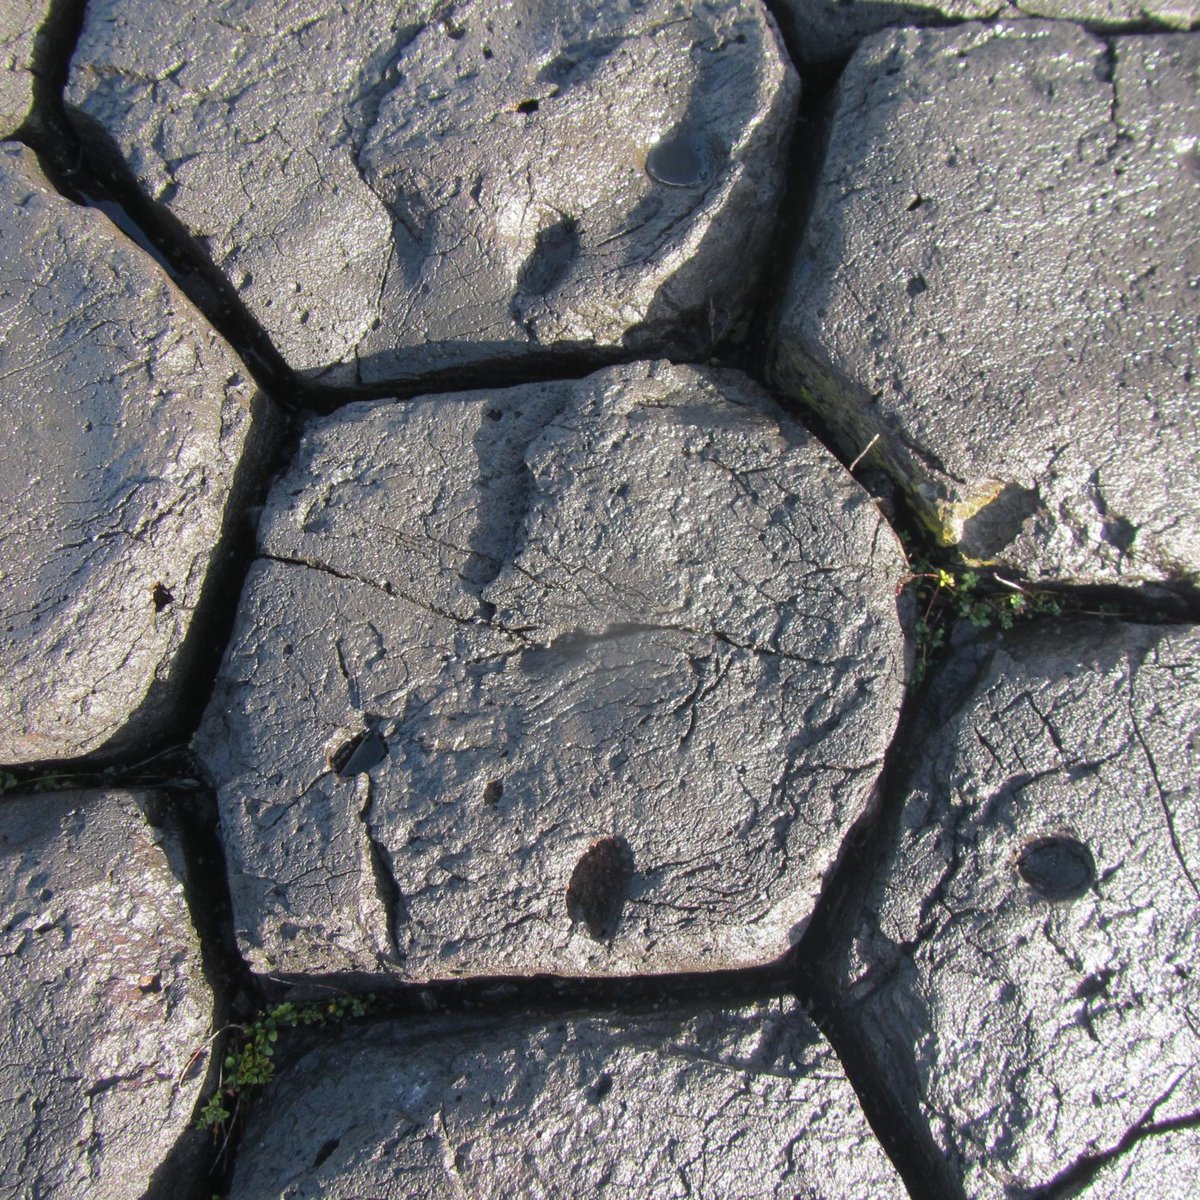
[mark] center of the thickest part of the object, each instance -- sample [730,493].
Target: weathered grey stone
[1116,14]
[1001,278]
[824,30]
[748,1103]
[394,192]
[105,1000]
[623,656]
[1030,945]
[126,416]
[19,22]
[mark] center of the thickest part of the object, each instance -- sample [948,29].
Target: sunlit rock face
[397,190]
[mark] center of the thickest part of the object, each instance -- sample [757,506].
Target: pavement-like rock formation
[579,677]
[398,190]
[534,756]
[107,1012]
[126,420]
[1000,280]
[1023,970]
[749,1102]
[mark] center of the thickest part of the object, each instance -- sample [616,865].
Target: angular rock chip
[1032,938]
[126,419]
[749,1102]
[401,189]
[105,999]
[642,610]
[1000,279]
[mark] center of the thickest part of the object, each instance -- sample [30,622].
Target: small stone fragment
[749,1102]
[107,1012]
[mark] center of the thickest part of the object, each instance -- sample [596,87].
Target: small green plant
[943,595]
[249,1057]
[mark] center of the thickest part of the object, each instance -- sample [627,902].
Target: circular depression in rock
[1057,867]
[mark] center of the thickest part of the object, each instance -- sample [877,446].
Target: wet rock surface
[749,1102]
[127,421]
[823,31]
[396,191]
[547,695]
[1010,300]
[583,677]
[107,1011]
[19,21]
[1023,969]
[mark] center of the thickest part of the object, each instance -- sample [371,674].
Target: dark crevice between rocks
[80,160]
[53,46]
[199,1166]
[888,1092]
[1074,1179]
[805,158]
[538,367]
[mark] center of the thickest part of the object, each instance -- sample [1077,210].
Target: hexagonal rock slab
[584,677]
[825,30]
[126,420]
[706,1104]
[1010,298]
[19,23]
[105,999]
[395,193]
[1034,933]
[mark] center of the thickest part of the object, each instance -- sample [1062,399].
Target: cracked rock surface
[633,636]
[127,417]
[749,1102]
[819,31]
[397,190]
[1023,970]
[1010,299]
[105,1000]
[19,22]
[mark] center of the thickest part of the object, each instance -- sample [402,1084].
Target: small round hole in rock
[1058,868]
[679,161]
[599,887]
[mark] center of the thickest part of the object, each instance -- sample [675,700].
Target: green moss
[249,1055]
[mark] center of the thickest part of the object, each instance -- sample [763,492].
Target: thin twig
[865,451]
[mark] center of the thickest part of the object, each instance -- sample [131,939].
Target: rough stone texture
[1001,278]
[1116,14]
[825,30]
[19,22]
[125,419]
[749,1103]
[1030,944]
[633,636]
[394,195]
[104,998]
